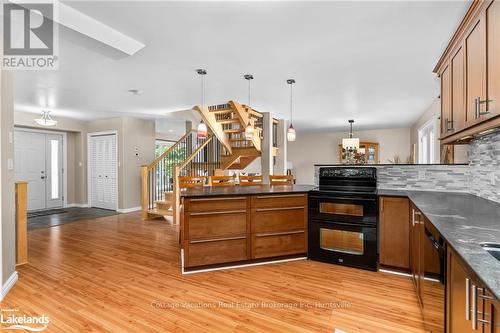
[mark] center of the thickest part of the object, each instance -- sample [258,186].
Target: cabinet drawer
[216,224]
[279,244]
[215,204]
[278,219]
[201,253]
[277,201]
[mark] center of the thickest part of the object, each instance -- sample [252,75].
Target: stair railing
[157,177]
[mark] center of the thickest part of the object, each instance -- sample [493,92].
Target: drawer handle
[279,233]
[216,239]
[280,196]
[219,212]
[281,208]
[467,299]
[217,199]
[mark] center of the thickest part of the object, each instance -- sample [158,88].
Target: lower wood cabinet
[394,232]
[230,229]
[471,307]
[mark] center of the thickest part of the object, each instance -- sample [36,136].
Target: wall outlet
[421,174]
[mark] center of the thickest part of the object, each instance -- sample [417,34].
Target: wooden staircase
[225,148]
[228,122]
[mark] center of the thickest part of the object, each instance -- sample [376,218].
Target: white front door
[103,171]
[38,160]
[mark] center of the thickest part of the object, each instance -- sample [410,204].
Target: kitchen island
[243,224]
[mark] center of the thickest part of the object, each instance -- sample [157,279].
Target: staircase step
[160,212]
[228,121]
[238,139]
[222,111]
[234,130]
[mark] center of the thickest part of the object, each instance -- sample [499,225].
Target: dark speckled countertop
[465,221]
[210,191]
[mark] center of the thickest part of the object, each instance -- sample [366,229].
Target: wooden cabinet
[470,75]
[279,225]
[219,230]
[457,90]
[395,232]
[493,56]
[416,250]
[446,101]
[471,307]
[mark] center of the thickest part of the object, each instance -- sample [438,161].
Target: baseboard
[128,210]
[11,281]
[79,205]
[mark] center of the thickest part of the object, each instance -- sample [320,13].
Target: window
[427,143]
[162,146]
[54,169]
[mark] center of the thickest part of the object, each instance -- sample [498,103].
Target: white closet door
[29,160]
[103,166]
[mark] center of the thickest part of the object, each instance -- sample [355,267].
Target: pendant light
[46,120]
[290,134]
[350,143]
[202,132]
[249,129]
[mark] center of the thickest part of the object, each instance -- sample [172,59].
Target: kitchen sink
[493,249]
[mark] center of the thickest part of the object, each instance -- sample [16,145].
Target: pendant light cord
[249,93]
[202,91]
[291,103]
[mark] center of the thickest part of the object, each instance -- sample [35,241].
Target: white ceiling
[370,61]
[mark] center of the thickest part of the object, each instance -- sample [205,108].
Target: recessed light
[135,92]
[170,130]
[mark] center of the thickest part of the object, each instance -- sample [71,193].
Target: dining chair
[251,180]
[280,180]
[222,180]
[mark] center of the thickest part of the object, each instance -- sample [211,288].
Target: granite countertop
[464,221]
[208,191]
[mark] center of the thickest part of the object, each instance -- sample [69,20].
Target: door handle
[477,106]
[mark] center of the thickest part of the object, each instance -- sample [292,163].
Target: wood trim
[144,191]
[21,223]
[457,36]
[244,120]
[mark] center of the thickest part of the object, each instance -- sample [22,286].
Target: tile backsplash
[480,177]
[484,166]
[454,178]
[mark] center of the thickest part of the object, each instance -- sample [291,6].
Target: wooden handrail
[162,156]
[193,155]
[21,223]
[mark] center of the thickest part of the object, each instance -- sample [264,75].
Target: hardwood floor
[120,274]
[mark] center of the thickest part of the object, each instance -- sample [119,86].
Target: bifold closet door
[103,171]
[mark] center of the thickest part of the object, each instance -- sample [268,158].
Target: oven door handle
[333,199]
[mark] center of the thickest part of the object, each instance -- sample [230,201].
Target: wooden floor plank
[122,274]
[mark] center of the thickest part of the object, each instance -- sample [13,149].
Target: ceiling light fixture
[46,120]
[202,132]
[350,143]
[290,134]
[249,129]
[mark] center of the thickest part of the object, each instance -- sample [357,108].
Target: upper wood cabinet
[394,232]
[470,75]
[458,116]
[446,101]
[493,57]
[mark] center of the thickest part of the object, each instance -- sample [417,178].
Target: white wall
[323,147]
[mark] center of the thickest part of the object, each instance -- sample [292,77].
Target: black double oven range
[343,217]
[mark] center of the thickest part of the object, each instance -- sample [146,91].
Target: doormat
[46,212]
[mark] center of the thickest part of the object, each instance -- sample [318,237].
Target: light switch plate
[421,174]
[11,138]
[10,164]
